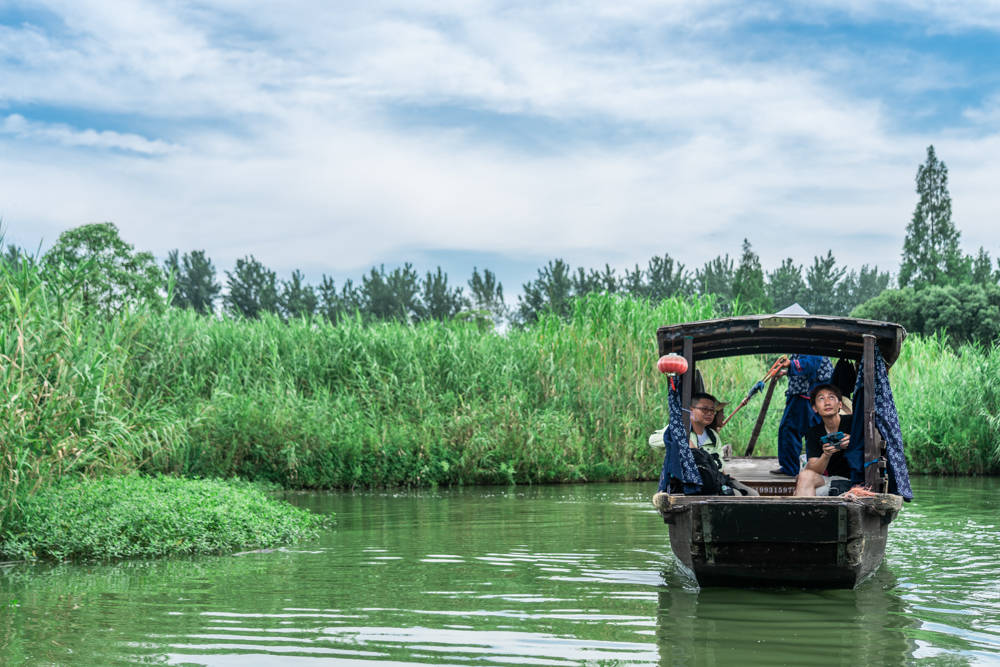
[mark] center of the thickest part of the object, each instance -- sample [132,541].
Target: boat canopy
[840,337]
[876,345]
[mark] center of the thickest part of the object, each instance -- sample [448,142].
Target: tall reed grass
[949,404]
[309,404]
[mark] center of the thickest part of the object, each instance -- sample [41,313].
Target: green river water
[554,575]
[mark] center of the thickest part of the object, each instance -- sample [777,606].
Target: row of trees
[94,262]
[110,274]
[106,270]
[399,294]
[823,287]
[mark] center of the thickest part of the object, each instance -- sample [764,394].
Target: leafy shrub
[965,313]
[142,517]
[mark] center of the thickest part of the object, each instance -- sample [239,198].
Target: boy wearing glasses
[704,436]
[704,407]
[705,413]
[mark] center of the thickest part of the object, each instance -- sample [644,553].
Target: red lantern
[672,364]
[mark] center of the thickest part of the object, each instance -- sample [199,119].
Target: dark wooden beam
[688,384]
[872,452]
[761,415]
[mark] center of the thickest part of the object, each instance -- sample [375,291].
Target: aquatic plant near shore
[134,516]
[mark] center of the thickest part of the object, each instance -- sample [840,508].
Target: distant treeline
[939,288]
[114,274]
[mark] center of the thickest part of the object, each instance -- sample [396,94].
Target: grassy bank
[308,404]
[133,516]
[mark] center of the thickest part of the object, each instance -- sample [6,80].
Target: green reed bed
[949,404]
[314,405]
[307,404]
[71,420]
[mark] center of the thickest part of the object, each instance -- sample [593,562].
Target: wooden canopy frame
[841,337]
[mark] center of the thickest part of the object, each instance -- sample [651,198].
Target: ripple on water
[543,575]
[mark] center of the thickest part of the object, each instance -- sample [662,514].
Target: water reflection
[549,576]
[769,627]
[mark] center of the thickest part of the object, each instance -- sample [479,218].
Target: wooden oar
[771,374]
[760,417]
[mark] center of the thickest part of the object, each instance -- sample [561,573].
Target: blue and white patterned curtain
[678,462]
[887,422]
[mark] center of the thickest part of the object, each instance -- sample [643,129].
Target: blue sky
[332,137]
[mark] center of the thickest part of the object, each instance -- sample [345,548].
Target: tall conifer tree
[551,291]
[716,277]
[487,295]
[931,255]
[438,300]
[253,289]
[822,282]
[297,299]
[194,281]
[748,282]
[393,295]
[785,285]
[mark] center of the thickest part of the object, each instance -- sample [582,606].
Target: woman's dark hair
[827,387]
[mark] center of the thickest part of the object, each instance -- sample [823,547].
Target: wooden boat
[776,539]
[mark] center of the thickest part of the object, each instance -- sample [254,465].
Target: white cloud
[274,133]
[936,16]
[987,114]
[17,125]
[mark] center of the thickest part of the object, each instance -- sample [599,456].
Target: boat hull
[778,541]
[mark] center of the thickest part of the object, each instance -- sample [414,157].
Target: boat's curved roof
[840,337]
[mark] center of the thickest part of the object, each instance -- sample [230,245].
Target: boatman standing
[805,372]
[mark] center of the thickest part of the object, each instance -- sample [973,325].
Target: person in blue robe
[805,372]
